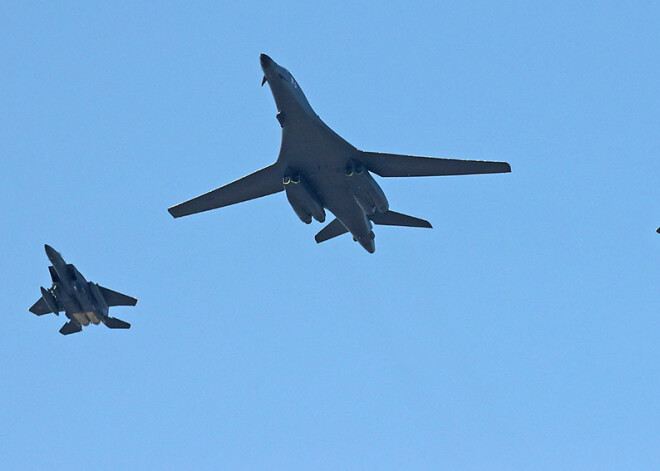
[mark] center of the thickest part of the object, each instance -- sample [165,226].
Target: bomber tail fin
[114,323]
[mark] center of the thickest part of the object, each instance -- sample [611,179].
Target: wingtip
[173,211]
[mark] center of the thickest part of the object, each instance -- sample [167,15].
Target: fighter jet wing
[113,298]
[263,182]
[40,308]
[394,165]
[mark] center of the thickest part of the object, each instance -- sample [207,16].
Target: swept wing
[113,298]
[263,182]
[396,165]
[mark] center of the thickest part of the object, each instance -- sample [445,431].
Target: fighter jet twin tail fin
[389,218]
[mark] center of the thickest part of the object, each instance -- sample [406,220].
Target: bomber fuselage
[322,157]
[319,170]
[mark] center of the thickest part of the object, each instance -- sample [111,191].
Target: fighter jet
[319,170]
[82,301]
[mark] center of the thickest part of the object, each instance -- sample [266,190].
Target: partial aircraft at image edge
[82,301]
[319,170]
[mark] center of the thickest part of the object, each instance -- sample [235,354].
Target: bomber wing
[395,165]
[263,182]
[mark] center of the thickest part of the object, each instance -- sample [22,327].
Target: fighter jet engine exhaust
[302,198]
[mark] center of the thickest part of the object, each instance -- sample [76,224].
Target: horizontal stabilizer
[70,327]
[391,218]
[263,182]
[40,308]
[113,298]
[114,323]
[395,165]
[334,229]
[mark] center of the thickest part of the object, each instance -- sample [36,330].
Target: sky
[521,332]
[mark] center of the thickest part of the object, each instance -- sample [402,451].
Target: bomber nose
[265,60]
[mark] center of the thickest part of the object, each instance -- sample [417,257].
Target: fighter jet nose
[265,60]
[50,252]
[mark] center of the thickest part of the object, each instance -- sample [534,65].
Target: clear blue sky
[522,332]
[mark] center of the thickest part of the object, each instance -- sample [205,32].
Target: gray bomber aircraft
[82,301]
[319,170]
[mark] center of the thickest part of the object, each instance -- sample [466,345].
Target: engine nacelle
[368,195]
[50,300]
[302,198]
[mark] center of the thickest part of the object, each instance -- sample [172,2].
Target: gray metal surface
[319,170]
[83,302]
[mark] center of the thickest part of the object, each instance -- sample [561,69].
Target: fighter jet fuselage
[82,301]
[319,170]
